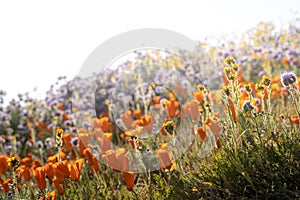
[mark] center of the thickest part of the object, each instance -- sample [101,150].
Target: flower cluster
[145,110]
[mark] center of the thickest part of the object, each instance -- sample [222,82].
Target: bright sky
[41,40]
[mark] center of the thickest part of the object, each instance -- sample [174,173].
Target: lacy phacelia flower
[288,78]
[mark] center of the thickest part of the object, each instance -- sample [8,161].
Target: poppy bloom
[129,180]
[295,119]
[116,159]
[137,114]
[67,141]
[105,124]
[40,177]
[191,108]
[61,170]
[146,122]
[56,183]
[213,126]
[171,106]
[127,119]
[3,164]
[89,156]
[104,143]
[75,169]
[24,172]
[5,185]
[202,134]
[54,158]
[26,161]
[165,158]
[96,165]
[49,170]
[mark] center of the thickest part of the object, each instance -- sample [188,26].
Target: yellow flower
[259,86]
[169,126]
[227,71]
[12,162]
[231,76]
[266,81]
[229,60]
[227,90]
[235,67]
[200,87]
[58,139]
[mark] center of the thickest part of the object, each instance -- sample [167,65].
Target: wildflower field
[232,133]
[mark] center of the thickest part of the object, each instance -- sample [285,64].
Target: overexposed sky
[41,40]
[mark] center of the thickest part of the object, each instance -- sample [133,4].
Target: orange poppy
[218,143]
[75,169]
[104,143]
[172,107]
[26,161]
[61,170]
[79,163]
[295,119]
[129,180]
[40,135]
[199,96]
[116,159]
[127,119]
[165,158]
[81,147]
[146,122]
[24,172]
[191,108]
[285,61]
[49,170]
[3,164]
[56,183]
[109,136]
[96,165]
[89,156]
[105,124]
[54,158]
[213,126]
[36,164]
[40,177]
[39,124]
[67,141]
[137,114]
[202,134]
[155,99]
[66,117]
[60,106]
[5,185]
